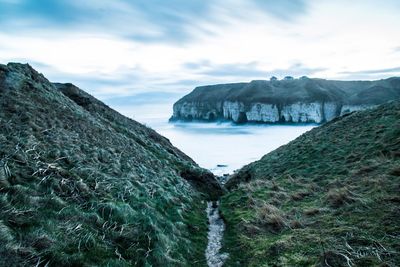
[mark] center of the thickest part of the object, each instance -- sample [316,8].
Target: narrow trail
[215,234]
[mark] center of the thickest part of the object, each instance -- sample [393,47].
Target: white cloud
[331,40]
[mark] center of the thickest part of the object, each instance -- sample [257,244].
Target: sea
[221,147]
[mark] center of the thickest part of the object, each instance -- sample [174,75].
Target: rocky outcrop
[295,101]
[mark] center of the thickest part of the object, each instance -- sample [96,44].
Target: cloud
[144,98]
[140,20]
[226,70]
[133,47]
[122,84]
[283,9]
[46,10]
[373,71]
[297,69]
[250,70]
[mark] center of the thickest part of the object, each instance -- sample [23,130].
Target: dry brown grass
[299,195]
[271,218]
[312,211]
[295,224]
[338,197]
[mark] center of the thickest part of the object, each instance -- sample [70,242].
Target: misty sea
[221,147]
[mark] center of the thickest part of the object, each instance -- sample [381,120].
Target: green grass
[81,185]
[330,196]
[292,91]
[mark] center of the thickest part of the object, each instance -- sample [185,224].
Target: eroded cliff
[296,101]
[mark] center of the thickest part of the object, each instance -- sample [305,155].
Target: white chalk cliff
[269,113]
[291,101]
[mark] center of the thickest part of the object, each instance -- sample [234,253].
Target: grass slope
[329,198]
[298,90]
[81,185]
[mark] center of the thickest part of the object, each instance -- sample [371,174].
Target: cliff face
[304,100]
[82,185]
[238,112]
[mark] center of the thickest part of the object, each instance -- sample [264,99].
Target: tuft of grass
[339,197]
[271,218]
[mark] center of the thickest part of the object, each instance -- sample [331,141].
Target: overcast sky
[162,48]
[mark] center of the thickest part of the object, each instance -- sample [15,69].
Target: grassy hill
[298,90]
[81,185]
[329,198]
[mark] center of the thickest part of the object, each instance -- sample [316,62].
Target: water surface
[219,147]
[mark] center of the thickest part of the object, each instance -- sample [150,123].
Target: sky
[156,50]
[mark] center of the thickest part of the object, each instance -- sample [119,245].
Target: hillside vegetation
[329,198]
[306,90]
[81,185]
